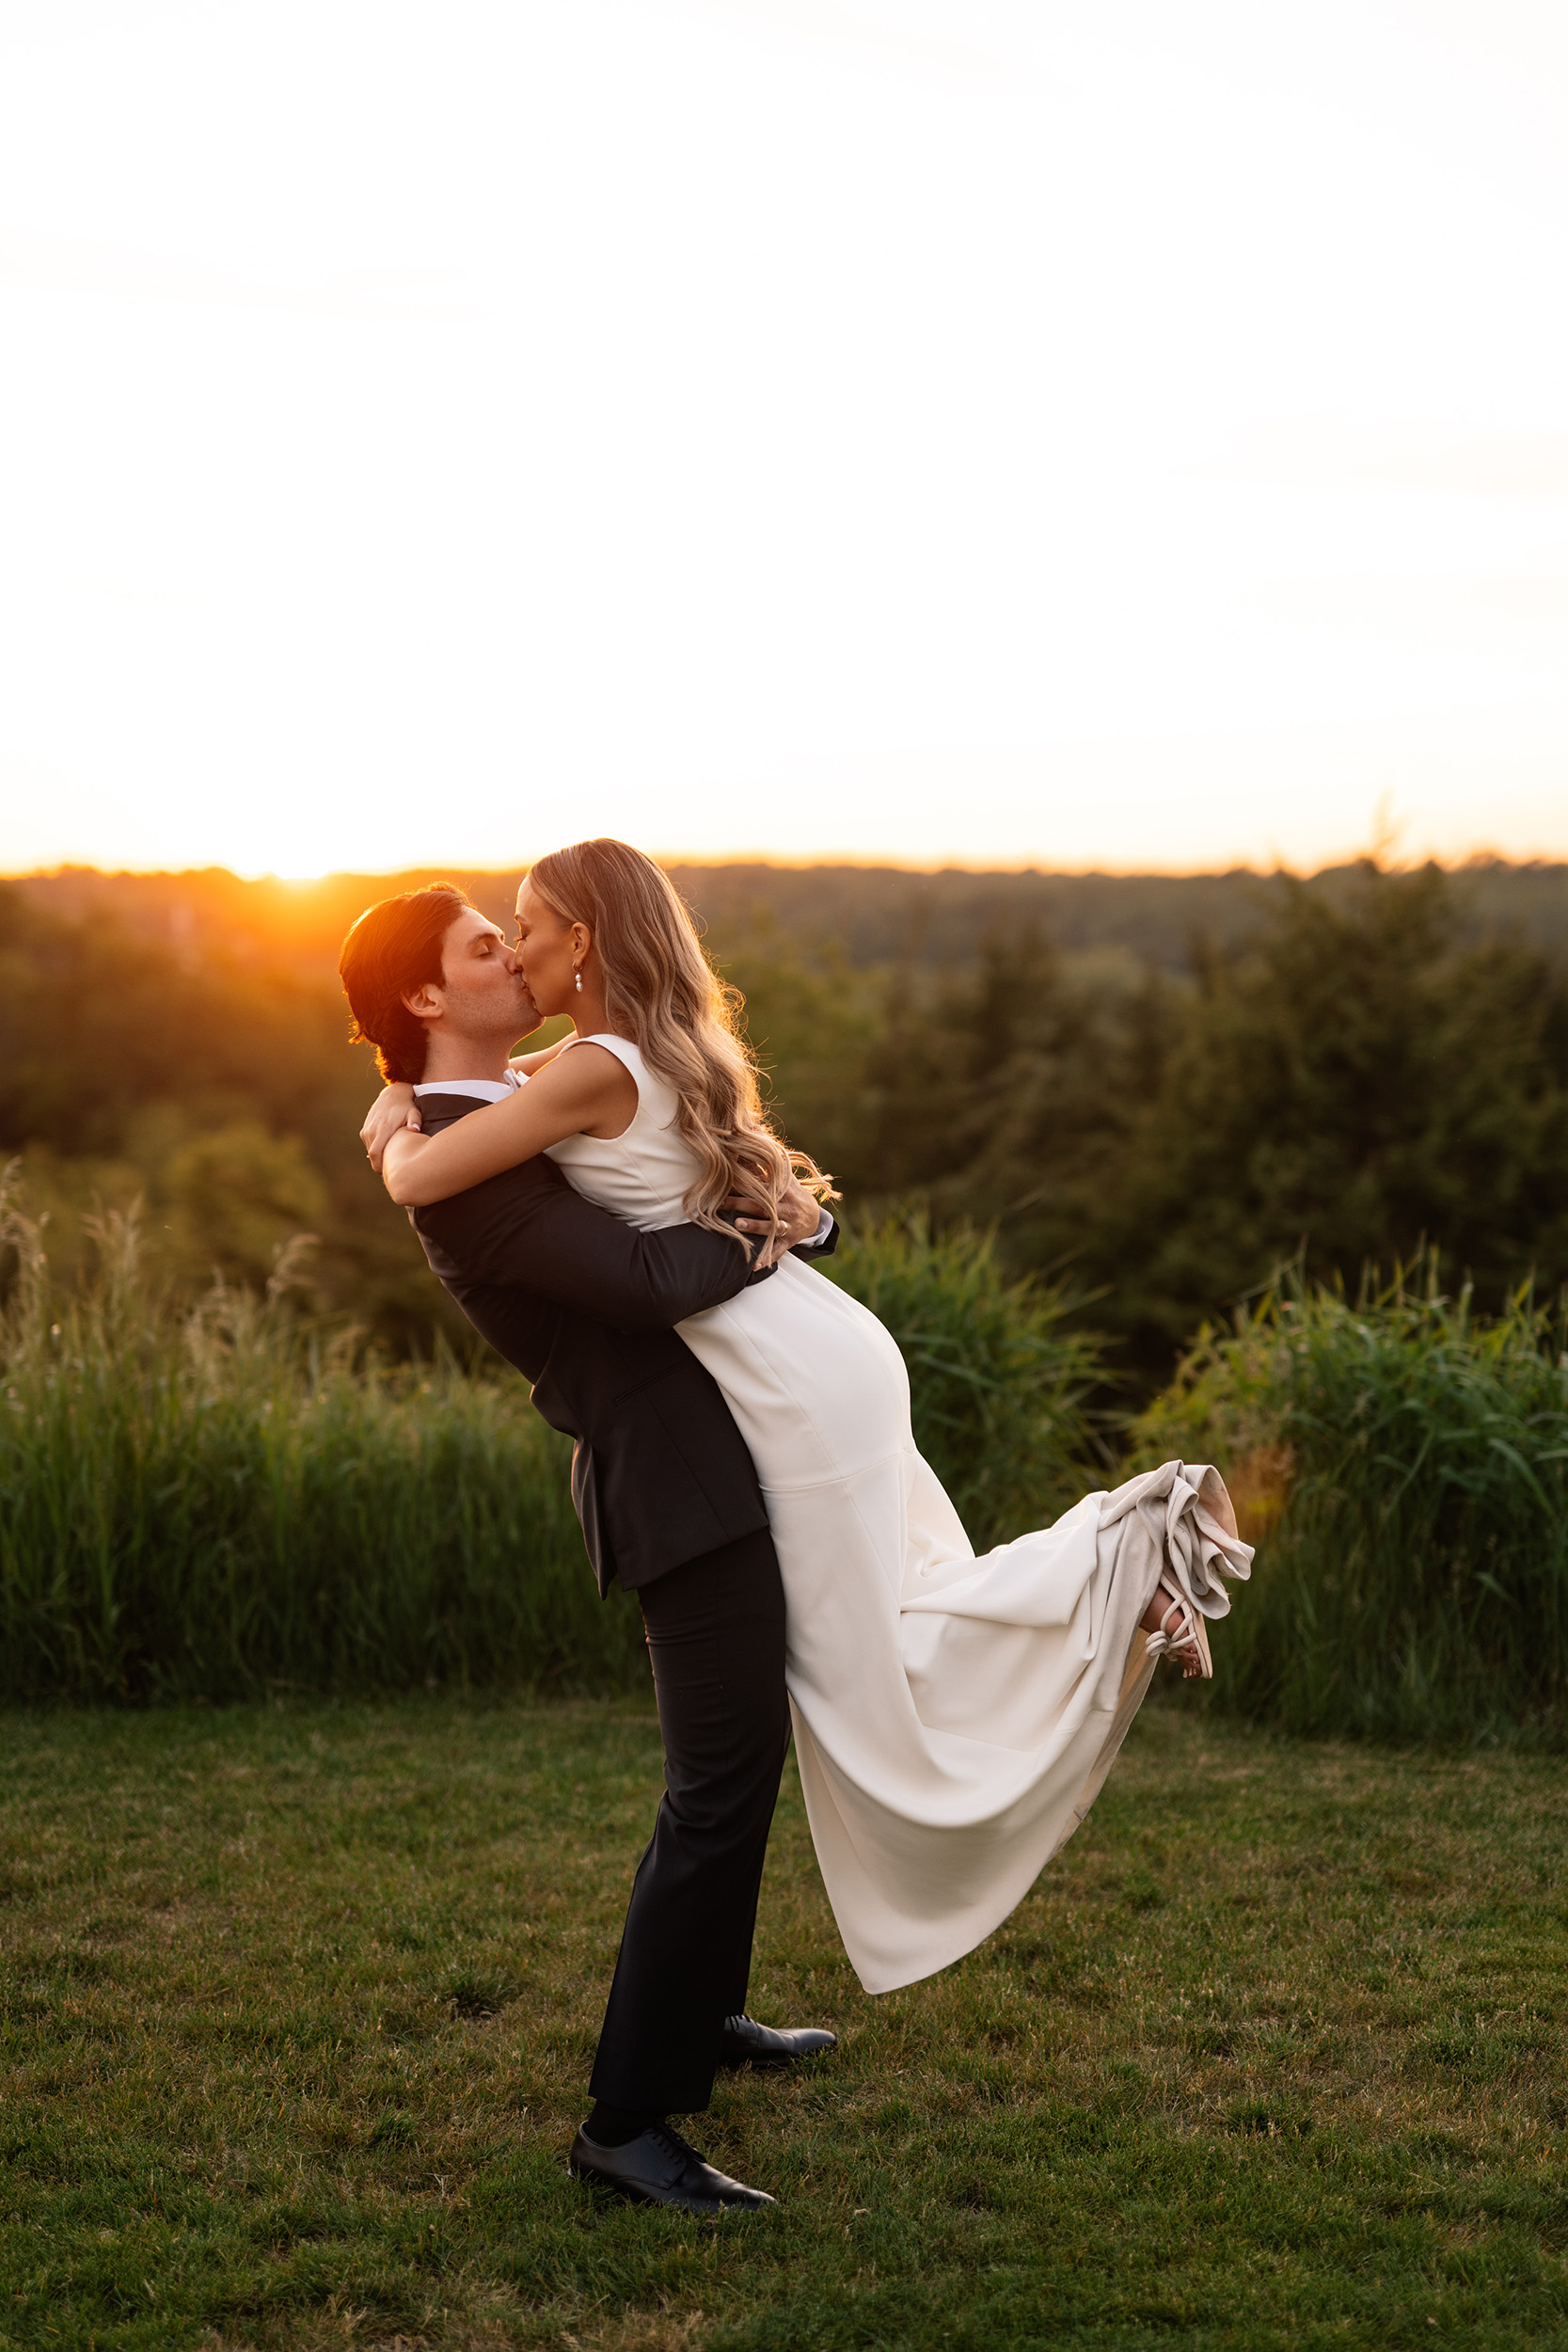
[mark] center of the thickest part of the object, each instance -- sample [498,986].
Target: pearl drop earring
[579,979]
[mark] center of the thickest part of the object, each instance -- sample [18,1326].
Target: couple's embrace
[615,1216]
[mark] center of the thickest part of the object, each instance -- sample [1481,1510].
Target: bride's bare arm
[586,1092]
[528,1064]
[394,1108]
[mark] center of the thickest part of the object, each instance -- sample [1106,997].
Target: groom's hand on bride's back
[800,1216]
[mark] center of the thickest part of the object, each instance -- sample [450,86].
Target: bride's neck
[588,1016]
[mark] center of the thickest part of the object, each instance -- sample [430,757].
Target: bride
[954,1716]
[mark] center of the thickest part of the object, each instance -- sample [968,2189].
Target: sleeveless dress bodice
[641,1176]
[954,1717]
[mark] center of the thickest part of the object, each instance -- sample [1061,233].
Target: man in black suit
[666,1493]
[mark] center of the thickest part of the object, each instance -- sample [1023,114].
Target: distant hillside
[873,916]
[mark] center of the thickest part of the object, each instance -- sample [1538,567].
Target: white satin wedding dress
[955,1717]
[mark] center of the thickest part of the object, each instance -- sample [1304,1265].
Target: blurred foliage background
[1154,1088]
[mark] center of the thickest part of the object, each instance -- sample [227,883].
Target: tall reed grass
[1403,1463]
[199,1503]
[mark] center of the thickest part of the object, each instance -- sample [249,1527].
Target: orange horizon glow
[1134,445]
[1387,858]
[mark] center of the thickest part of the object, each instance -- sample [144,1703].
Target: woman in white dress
[954,1716]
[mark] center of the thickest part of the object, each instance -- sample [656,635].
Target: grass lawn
[300,2001]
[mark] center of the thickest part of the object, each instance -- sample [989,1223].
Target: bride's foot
[1173,1625]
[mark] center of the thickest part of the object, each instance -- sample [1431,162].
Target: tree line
[1368,1061]
[1361,1073]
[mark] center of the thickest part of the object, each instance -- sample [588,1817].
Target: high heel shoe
[1188,1628]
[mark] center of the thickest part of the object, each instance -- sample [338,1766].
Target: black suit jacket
[583,1305]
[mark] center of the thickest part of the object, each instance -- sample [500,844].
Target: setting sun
[926,432]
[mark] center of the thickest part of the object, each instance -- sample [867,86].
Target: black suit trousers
[715,1637]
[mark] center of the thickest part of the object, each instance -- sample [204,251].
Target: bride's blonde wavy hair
[661,991]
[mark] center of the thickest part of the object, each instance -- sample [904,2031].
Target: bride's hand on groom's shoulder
[393,1111]
[798,1217]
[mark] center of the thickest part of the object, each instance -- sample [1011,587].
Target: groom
[669,1505]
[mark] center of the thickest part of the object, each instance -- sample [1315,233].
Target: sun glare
[999,489]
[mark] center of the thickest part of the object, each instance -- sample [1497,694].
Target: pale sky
[1115,434]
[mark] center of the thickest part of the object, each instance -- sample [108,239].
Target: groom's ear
[425,1002]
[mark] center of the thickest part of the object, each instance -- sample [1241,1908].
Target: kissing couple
[617,1218]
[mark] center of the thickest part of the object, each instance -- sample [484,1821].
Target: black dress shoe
[660,2168]
[745,2043]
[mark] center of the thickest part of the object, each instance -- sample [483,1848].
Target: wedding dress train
[955,1717]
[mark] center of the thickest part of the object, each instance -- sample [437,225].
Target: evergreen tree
[1357,1078]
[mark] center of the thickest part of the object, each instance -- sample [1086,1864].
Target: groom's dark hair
[394,949]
